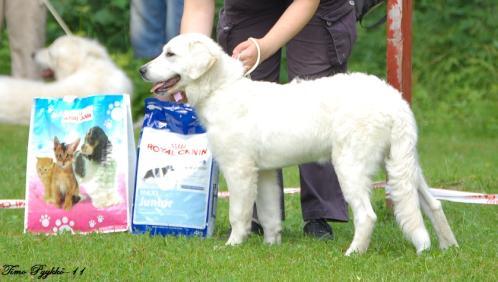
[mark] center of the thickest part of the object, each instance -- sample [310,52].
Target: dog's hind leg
[433,209]
[407,213]
[268,205]
[241,180]
[355,184]
[402,174]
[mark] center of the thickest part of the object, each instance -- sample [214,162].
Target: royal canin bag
[177,178]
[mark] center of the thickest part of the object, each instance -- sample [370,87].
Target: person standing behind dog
[25,20]
[152,24]
[319,36]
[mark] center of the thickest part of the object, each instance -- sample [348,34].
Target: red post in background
[399,46]
[399,51]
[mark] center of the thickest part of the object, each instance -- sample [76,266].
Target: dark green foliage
[108,21]
[455,61]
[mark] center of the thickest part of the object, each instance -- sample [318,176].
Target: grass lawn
[449,161]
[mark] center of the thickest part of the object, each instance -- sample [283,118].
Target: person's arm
[198,16]
[292,21]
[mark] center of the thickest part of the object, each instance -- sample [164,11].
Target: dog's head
[96,146]
[67,54]
[185,59]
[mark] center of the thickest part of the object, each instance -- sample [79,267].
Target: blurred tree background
[455,56]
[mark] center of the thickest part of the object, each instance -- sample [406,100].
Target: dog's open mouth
[162,87]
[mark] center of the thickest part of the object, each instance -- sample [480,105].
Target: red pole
[399,51]
[399,46]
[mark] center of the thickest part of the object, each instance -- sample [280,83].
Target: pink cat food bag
[80,165]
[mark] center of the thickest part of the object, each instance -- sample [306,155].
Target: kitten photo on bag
[64,186]
[44,169]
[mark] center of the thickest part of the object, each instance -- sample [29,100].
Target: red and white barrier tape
[440,194]
[11,204]
[465,197]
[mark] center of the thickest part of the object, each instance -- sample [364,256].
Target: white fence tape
[440,194]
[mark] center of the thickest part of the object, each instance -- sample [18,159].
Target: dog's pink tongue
[178,96]
[157,86]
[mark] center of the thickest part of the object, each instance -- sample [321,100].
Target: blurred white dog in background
[80,67]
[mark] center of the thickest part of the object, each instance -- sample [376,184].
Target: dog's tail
[433,209]
[407,186]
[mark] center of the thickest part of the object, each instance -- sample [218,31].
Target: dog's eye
[170,54]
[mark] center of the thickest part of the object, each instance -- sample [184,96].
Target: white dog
[81,67]
[355,120]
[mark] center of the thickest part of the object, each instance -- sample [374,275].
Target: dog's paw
[423,249]
[234,240]
[448,244]
[273,239]
[82,197]
[421,240]
[115,200]
[350,251]
[355,249]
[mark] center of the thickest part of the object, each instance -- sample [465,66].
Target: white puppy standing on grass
[81,67]
[355,120]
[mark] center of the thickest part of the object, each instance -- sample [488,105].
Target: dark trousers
[320,49]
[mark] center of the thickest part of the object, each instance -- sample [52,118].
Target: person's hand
[292,21]
[247,53]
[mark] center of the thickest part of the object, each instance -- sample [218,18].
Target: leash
[57,17]
[258,59]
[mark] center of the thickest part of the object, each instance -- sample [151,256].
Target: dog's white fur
[81,66]
[100,183]
[355,120]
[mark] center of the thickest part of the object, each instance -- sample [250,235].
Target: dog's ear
[203,59]
[73,146]
[94,49]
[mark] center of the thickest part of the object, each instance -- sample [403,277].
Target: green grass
[448,160]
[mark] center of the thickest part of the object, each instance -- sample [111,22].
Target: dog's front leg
[268,206]
[241,180]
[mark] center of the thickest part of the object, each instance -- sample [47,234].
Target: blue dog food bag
[176,178]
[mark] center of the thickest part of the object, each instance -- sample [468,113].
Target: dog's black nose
[33,55]
[143,71]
